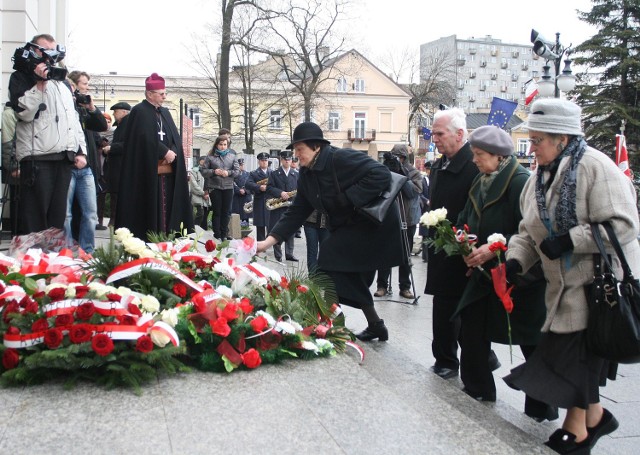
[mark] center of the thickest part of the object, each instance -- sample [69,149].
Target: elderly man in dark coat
[336,182]
[241,194]
[282,182]
[451,178]
[154,176]
[257,184]
[115,153]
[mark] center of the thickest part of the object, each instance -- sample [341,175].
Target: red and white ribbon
[135,266]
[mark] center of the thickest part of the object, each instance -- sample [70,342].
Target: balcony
[494,76]
[472,74]
[494,52]
[472,50]
[503,88]
[525,66]
[514,77]
[461,61]
[482,88]
[359,135]
[515,54]
[483,63]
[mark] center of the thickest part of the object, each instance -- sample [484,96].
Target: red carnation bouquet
[498,245]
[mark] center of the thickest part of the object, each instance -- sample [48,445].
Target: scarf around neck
[565,214]
[223,152]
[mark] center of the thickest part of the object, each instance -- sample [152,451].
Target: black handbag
[613,328]
[377,209]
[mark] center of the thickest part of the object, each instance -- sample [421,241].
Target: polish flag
[531,93]
[622,158]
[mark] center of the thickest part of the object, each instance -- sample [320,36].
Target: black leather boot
[377,330]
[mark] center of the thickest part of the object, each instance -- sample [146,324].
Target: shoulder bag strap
[618,249]
[597,238]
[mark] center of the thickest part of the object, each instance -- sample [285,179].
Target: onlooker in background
[257,184]
[103,188]
[282,182]
[196,188]
[220,168]
[425,205]
[206,200]
[558,205]
[82,207]
[410,214]
[294,167]
[241,194]
[114,153]
[451,178]
[315,232]
[10,169]
[46,141]
[154,177]
[494,207]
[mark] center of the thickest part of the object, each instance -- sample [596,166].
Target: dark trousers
[315,236]
[101,201]
[445,332]
[221,207]
[261,233]
[43,194]
[288,249]
[475,371]
[197,218]
[204,224]
[404,271]
[113,203]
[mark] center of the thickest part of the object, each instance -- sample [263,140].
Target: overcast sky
[145,36]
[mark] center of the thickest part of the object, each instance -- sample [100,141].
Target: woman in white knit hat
[573,186]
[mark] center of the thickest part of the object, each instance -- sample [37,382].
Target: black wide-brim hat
[307,131]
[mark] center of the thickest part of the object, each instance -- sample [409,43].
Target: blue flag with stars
[501,112]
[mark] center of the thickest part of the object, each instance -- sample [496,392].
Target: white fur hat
[554,115]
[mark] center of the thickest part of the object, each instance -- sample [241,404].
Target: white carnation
[285,327]
[134,246]
[122,234]
[224,291]
[310,346]
[170,316]
[150,304]
[324,344]
[493,238]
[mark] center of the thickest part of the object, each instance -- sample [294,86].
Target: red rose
[133,309]
[220,327]
[38,295]
[125,319]
[13,330]
[56,294]
[10,359]
[259,324]
[113,297]
[200,264]
[245,305]
[144,344]
[81,291]
[284,283]
[191,274]
[230,311]
[10,309]
[102,344]
[180,290]
[31,307]
[80,333]
[4,269]
[40,325]
[85,311]
[302,289]
[210,246]
[53,338]
[64,320]
[251,358]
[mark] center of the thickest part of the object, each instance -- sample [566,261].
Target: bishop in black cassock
[153,192]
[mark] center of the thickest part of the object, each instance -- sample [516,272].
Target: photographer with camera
[49,137]
[396,161]
[82,206]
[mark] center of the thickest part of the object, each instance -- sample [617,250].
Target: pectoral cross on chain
[162,134]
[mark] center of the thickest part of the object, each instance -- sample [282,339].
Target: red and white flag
[530,93]
[622,158]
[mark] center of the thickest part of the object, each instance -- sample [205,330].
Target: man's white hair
[457,120]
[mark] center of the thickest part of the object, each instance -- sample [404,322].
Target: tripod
[407,254]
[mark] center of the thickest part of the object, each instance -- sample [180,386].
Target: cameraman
[49,137]
[82,206]
[397,162]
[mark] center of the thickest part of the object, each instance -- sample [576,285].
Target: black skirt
[562,372]
[353,287]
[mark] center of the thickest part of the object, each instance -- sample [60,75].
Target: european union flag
[501,112]
[426,133]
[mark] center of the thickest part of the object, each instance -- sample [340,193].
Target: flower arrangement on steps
[136,310]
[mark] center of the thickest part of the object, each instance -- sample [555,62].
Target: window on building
[197,120]
[523,147]
[359,124]
[334,121]
[275,119]
[342,84]
[358,86]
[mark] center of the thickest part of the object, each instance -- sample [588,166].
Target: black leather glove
[512,269]
[554,247]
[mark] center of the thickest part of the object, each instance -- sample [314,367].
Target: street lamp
[105,84]
[565,81]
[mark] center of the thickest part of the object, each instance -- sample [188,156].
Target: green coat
[500,213]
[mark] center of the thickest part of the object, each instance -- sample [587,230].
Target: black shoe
[494,363]
[480,397]
[608,424]
[564,442]
[378,330]
[100,227]
[292,258]
[444,373]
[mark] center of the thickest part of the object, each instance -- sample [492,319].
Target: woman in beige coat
[573,186]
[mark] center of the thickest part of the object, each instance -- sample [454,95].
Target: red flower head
[230,311]
[180,290]
[466,228]
[56,294]
[497,246]
[64,320]
[220,327]
[251,358]
[258,324]
[133,309]
[113,297]
[85,311]
[38,295]
[80,333]
[4,270]
[210,246]
[53,338]
[144,344]
[302,288]
[284,283]
[81,291]
[126,319]
[40,325]
[31,306]
[245,305]
[102,344]
[13,330]
[10,359]
[12,307]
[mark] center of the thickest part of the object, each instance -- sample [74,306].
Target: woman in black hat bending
[335,182]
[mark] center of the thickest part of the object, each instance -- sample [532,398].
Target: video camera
[392,162]
[25,59]
[82,99]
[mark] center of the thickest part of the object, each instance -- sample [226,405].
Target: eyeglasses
[535,140]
